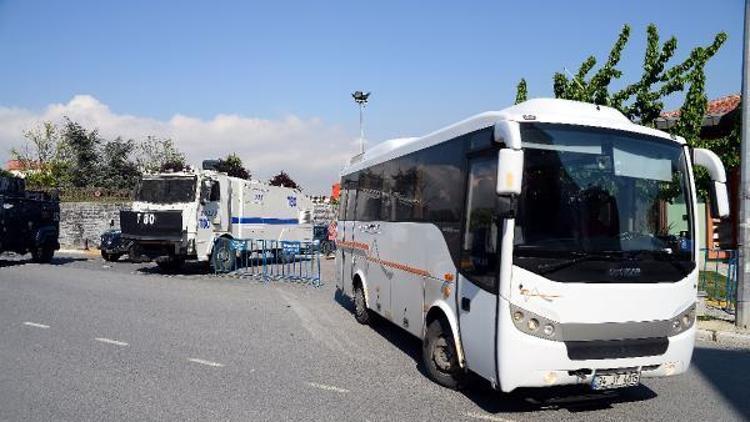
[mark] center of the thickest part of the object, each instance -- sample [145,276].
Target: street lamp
[361,99]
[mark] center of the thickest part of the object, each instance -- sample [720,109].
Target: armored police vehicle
[29,221]
[187,215]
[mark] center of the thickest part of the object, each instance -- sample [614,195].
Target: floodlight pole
[361,126]
[361,99]
[742,318]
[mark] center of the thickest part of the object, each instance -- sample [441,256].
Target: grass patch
[714,284]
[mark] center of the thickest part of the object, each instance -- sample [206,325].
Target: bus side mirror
[719,196]
[509,172]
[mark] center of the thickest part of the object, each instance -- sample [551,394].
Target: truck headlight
[529,323]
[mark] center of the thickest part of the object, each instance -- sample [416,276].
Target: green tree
[283,179]
[81,148]
[521,93]
[232,165]
[118,170]
[154,154]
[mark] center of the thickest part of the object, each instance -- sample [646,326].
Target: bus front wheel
[439,355]
[361,313]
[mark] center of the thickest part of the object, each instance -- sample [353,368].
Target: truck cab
[181,216]
[29,220]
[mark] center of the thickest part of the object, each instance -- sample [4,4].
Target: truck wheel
[361,313]
[42,254]
[224,257]
[439,355]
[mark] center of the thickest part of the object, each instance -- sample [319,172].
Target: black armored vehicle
[29,220]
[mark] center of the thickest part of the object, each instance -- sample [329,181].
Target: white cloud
[311,151]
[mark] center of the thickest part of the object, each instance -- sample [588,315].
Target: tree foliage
[283,179]
[521,92]
[642,100]
[71,156]
[232,165]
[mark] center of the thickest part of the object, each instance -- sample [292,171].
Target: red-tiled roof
[13,165]
[716,107]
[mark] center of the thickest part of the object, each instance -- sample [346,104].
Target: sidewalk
[722,332]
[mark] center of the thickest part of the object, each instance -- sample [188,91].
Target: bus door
[346,226]
[479,268]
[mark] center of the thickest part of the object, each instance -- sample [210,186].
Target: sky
[271,80]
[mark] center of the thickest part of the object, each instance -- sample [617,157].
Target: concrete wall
[86,221]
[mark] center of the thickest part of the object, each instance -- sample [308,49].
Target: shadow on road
[727,370]
[572,398]
[12,261]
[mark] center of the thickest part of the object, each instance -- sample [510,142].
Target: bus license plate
[615,379]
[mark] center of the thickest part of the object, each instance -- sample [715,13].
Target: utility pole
[742,319]
[361,99]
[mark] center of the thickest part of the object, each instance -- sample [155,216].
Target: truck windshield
[167,190]
[601,205]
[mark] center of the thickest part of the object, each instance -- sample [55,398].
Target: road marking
[486,417]
[34,324]
[110,341]
[206,362]
[327,387]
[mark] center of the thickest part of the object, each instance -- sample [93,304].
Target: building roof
[715,110]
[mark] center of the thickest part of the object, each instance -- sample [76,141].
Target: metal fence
[718,278]
[270,260]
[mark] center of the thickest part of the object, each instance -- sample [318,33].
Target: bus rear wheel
[439,356]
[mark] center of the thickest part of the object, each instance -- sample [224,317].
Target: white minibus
[552,242]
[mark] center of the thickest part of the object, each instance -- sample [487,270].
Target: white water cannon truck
[196,215]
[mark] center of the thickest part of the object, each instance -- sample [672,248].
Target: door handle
[466,304]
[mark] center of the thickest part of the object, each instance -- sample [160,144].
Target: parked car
[113,246]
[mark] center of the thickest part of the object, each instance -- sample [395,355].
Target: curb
[723,338]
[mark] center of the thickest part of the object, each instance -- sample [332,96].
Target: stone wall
[86,221]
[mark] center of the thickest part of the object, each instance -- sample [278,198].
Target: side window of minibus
[479,248]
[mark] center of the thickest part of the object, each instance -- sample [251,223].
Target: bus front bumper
[528,361]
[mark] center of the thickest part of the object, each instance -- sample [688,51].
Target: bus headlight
[530,323]
[684,320]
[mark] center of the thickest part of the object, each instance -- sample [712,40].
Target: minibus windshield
[600,205]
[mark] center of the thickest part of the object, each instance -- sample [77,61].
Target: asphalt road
[84,340]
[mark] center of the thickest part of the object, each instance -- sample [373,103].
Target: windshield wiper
[581,257]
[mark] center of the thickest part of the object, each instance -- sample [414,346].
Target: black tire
[439,356]
[362,314]
[42,254]
[110,257]
[326,247]
[223,257]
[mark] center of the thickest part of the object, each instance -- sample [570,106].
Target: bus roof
[547,110]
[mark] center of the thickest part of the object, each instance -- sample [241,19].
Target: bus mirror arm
[506,206]
[712,163]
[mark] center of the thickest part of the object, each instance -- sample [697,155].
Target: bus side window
[480,249]
[369,194]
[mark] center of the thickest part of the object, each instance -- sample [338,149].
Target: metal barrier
[718,279]
[270,260]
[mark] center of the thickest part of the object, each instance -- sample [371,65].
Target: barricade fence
[269,260]
[718,277]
